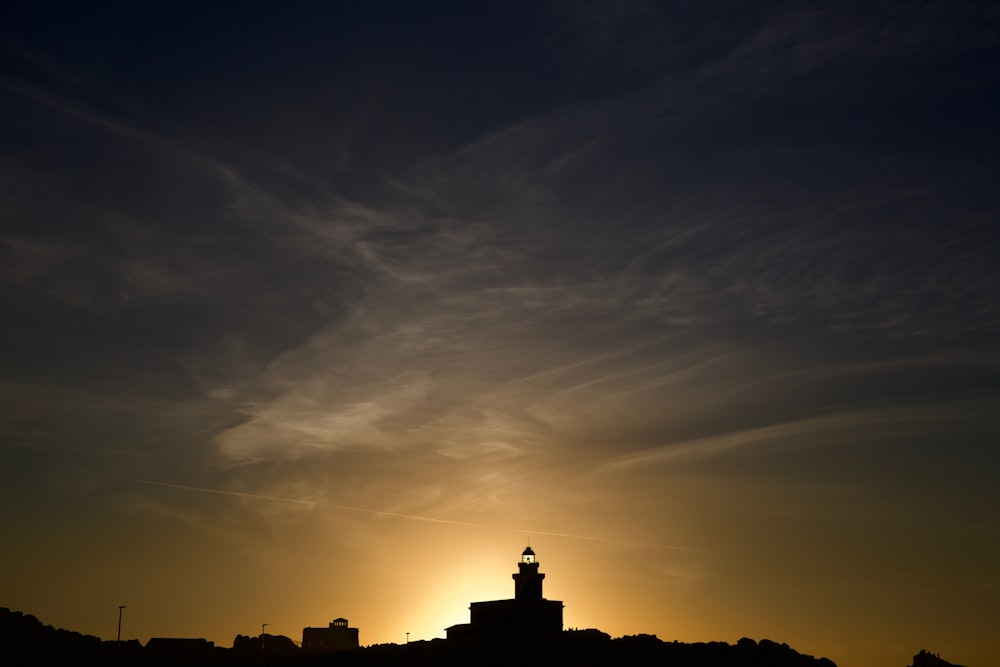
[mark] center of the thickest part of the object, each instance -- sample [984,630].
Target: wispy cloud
[397,515]
[800,433]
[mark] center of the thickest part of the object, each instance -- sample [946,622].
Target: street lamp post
[120,607]
[118,644]
[262,626]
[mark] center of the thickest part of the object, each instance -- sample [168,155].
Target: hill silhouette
[27,641]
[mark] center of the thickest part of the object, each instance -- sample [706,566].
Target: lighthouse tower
[528,580]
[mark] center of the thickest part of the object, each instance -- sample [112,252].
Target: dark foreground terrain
[26,641]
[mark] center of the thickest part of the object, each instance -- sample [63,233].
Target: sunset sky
[320,309]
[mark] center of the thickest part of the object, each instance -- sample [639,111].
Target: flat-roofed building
[338,636]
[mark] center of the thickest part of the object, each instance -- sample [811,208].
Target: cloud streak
[410,517]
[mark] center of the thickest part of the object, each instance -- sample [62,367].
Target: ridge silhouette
[27,641]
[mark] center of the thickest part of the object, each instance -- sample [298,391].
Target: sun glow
[463,582]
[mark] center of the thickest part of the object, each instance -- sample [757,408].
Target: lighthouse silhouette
[528,618]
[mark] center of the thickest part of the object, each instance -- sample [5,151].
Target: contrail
[411,517]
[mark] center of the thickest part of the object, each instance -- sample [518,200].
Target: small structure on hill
[337,637]
[528,617]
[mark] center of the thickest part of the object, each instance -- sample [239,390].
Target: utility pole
[118,644]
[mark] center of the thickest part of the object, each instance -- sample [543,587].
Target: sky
[322,309]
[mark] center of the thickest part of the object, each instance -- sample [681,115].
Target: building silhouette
[529,617]
[337,637]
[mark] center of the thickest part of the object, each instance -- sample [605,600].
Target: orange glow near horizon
[391,575]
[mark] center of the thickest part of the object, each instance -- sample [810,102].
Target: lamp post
[118,643]
[262,626]
[407,637]
[120,607]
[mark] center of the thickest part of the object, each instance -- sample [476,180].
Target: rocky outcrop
[927,659]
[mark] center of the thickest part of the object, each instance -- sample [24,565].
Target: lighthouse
[528,618]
